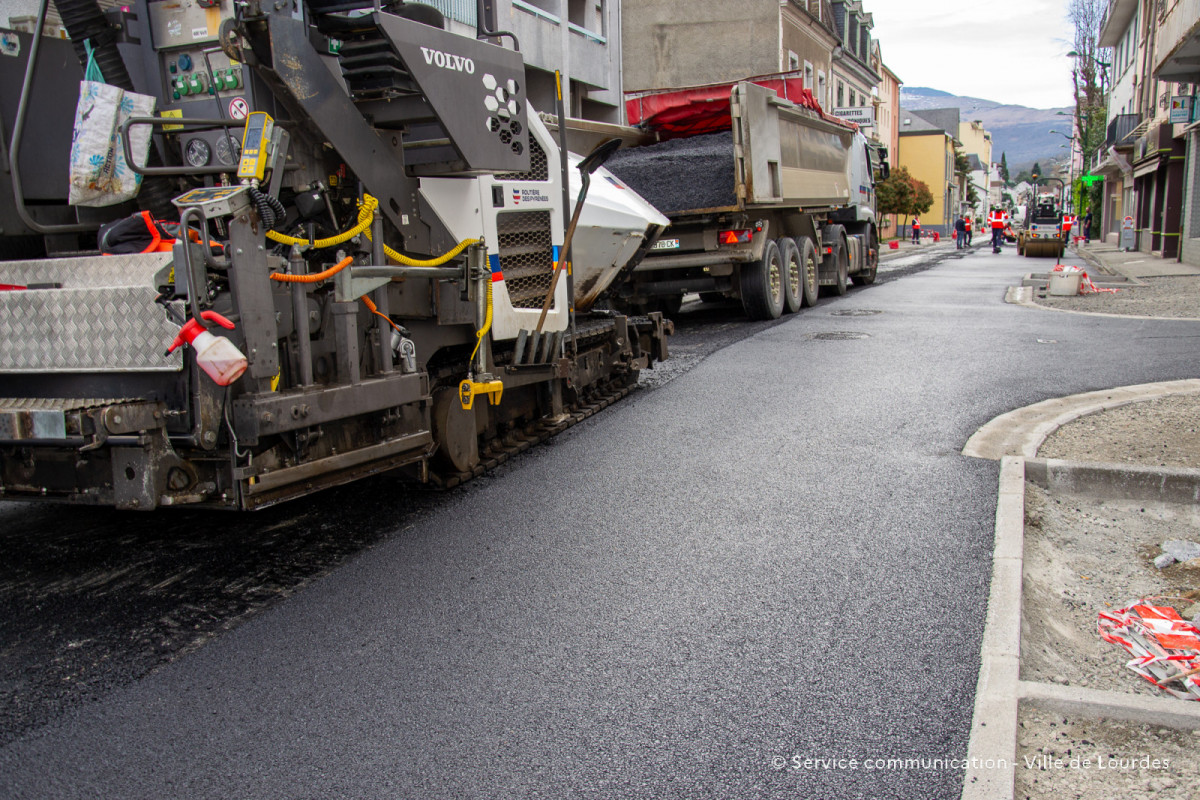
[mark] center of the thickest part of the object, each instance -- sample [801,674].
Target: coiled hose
[366,214]
[270,210]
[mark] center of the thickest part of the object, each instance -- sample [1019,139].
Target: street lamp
[1071,171]
[1103,65]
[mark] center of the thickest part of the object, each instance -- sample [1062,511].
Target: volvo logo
[449,61]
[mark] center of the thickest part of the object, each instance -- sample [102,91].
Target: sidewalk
[1149,286]
[1136,265]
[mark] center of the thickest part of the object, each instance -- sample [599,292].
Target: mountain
[1020,132]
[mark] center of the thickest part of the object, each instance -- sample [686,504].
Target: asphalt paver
[779,555]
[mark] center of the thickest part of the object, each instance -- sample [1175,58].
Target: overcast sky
[1012,52]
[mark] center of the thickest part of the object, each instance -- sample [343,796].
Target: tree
[1037,170]
[1004,167]
[895,195]
[903,194]
[924,197]
[1087,80]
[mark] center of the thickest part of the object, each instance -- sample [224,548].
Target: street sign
[1128,235]
[863,116]
[1181,109]
[1088,180]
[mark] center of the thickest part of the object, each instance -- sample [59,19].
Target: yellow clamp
[469,388]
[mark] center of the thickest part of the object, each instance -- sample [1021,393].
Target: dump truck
[356,235]
[770,199]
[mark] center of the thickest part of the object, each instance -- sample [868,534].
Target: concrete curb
[992,748]
[1115,481]
[1022,431]
[1092,260]
[1013,438]
[1162,712]
[1023,296]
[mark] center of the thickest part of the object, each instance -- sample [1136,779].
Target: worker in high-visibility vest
[998,219]
[1068,222]
[967,221]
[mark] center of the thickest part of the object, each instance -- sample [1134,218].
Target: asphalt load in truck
[687,174]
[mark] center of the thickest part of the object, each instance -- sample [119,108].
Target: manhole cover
[839,335]
[855,312]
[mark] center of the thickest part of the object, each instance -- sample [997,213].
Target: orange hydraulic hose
[374,309]
[315,278]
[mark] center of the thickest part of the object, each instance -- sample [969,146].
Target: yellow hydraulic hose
[366,213]
[487,322]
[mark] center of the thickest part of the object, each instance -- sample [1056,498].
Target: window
[841,97]
[808,75]
[822,90]
[793,61]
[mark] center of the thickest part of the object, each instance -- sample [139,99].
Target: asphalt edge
[990,771]
[1021,432]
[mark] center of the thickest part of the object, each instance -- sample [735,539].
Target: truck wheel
[810,266]
[843,277]
[835,236]
[762,284]
[867,276]
[793,273]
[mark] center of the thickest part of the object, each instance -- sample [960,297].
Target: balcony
[1177,46]
[1116,19]
[1119,129]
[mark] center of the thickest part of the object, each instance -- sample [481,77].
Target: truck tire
[835,237]
[793,274]
[762,284]
[810,265]
[867,276]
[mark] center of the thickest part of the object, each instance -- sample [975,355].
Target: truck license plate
[666,244]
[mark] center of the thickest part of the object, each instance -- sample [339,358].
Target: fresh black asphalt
[780,553]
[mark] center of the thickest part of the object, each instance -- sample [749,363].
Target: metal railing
[1120,127]
[458,10]
[530,8]
[586,34]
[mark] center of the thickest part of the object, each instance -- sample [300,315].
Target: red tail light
[741,236]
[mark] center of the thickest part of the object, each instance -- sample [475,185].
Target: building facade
[579,38]
[674,43]
[927,151]
[1149,154]
[887,118]
[1177,64]
[855,79]
[977,145]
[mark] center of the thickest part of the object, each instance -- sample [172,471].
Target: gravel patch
[1174,297]
[1079,758]
[1157,433]
[1084,556]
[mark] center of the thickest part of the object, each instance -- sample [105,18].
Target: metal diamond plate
[103,329]
[103,319]
[87,271]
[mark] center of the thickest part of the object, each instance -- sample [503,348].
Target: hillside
[1019,132]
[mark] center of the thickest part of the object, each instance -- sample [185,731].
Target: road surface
[777,555]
